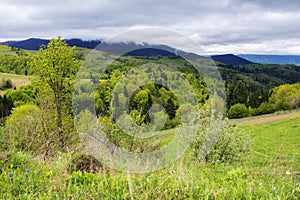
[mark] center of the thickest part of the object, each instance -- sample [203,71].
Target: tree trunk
[59,122]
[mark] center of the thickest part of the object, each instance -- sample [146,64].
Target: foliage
[285,97]
[180,180]
[16,63]
[229,146]
[34,131]
[238,111]
[264,108]
[24,95]
[25,134]
[250,84]
[82,178]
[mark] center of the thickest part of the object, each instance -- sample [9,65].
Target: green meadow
[262,174]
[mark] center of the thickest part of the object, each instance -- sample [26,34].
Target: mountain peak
[231,59]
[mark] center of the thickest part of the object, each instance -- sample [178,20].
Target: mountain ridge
[134,49]
[231,59]
[36,43]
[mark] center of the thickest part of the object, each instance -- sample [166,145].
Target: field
[263,174]
[6,50]
[17,80]
[276,142]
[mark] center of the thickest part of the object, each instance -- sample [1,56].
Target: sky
[218,26]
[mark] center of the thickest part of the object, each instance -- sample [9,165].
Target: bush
[285,97]
[85,163]
[238,111]
[265,108]
[23,128]
[231,145]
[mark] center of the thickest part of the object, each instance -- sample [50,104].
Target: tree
[56,66]
[239,93]
[238,111]
[285,97]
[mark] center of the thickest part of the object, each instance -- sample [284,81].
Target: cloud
[220,26]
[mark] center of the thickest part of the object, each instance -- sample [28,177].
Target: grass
[262,175]
[276,142]
[6,50]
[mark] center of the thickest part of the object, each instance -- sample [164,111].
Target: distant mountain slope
[36,43]
[151,52]
[230,59]
[272,59]
[134,49]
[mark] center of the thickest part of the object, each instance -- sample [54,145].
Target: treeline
[283,97]
[250,87]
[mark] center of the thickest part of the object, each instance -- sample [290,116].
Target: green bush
[228,146]
[285,97]
[238,111]
[265,108]
[232,145]
[23,129]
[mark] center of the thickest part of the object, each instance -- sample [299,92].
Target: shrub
[24,128]
[85,163]
[264,108]
[285,97]
[238,111]
[230,145]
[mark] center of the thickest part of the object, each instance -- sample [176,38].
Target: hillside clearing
[275,142]
[17,80]
[270,118]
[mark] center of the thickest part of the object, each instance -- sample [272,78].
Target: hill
[272,59]
[264,74]
[151,52]
[11,51]
[231,59]
[123,48]
[36,43]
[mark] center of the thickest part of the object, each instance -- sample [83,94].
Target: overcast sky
[219,26]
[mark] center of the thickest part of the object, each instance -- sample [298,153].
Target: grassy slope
[261,176]
[276,143]
[17,80]
[6,50]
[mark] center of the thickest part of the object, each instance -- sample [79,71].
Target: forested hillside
[248,84]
